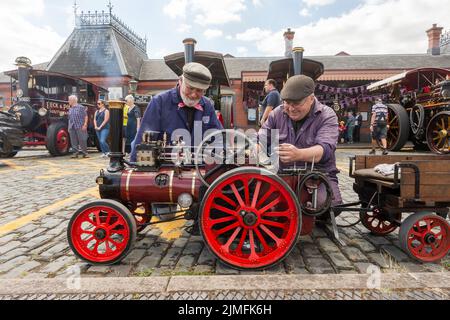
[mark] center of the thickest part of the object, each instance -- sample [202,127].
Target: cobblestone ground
[38,195]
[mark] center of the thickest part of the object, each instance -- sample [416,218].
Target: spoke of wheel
[256,194]
[117,244]
[119,232]
[246,192]
[226,247]
[253,254]
[230,227]
[227,200]
[393,120]
[277,240]
[108,249]
[270,205]
[108,218]
[273,224]
[266,196]
[238,196]
[224,210]
[416,234]
[115,225]
[428,225]
[241,242]
[88,240]
[97,217]
[222,220]
[261,238]
[95,250]
[274,214]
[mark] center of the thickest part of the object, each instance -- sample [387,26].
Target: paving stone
[145,243]
[318,265]
[294,262]
[206,258]
[134,256]
[55,251]
[9,246]
[380,259]
[396,253]
[377,240]
[21,270]
[310,251]
[327,245]
[305,239]
[121,270]
[354,254]
[340,261]
[8,238]
[319,233]
[204,269]
[50,223]
[13,254]
[38,241]
[276,269]
[363,244]
[154,232]
[180,242]
[412,267]
[32,234]
[223,269]
[57,265]
[99,269]
[185,263]
[193,249]
[27,228]
[171,257]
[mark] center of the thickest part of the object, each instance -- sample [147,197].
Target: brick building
[103,50]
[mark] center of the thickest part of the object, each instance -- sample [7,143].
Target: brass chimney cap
[189,41]
[116,104]
[23,62]
[298,49]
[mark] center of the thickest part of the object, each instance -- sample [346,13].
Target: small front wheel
[102,232]
[425,236]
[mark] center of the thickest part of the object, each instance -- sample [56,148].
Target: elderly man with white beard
[183,107]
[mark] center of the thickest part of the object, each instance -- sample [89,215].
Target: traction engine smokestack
[189,50]
[297,56]
[24,67]
[116,119]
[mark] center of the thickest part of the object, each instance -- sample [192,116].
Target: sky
[243,28]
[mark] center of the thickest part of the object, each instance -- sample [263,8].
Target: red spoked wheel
[379,222]
[250,218]
[425,237]
[62,141]
[102,232]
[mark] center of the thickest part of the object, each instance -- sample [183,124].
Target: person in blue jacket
[183,107]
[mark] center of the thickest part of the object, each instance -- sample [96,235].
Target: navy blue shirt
[164,115]
[272,99]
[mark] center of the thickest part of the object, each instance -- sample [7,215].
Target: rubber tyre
[52,139]
[409,222]
[119,208]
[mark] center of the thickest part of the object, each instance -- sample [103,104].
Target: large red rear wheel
[102,232]
[250,218]
[425,236]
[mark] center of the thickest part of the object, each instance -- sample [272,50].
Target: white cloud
[212,33]
[242,51]
[305,12]
[228,37]
[206,12]
[257,3]
[318,3]
[253,34]
[20,37]
[176,8]
[183,28]
[389,26]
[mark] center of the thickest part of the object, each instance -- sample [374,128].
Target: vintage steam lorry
[249,215]
[40,105]
[419,109]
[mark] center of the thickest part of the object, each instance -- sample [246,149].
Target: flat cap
[197,75]
[297,88]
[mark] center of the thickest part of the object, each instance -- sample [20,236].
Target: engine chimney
[116,120]
[189,50]
[24,66]
[434,40]
[297,57]
[289,42]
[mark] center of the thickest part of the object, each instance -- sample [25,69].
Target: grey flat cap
[297,88]
[197,75]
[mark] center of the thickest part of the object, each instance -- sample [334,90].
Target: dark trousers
[357,134]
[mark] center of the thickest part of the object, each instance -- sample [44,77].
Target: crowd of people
[350,128]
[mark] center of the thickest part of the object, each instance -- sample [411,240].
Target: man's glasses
[295,103]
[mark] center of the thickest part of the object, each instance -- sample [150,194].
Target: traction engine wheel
[58,139]
[438,133]
[102,232]
[377,222]
[250,218]
[425,237]
[398,131]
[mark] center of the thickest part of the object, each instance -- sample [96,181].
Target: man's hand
[84,128]
[288,153]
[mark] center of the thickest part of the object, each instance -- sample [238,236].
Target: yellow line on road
[12,165]
[20,222]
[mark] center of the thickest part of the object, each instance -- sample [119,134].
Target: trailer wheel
[438,133]
[378,222]
[425,236]
[398,132]
[255,224]
[102,232]
[58,139]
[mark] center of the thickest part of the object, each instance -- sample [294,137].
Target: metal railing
[103,18]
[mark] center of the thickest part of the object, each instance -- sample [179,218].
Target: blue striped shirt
[77,115]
